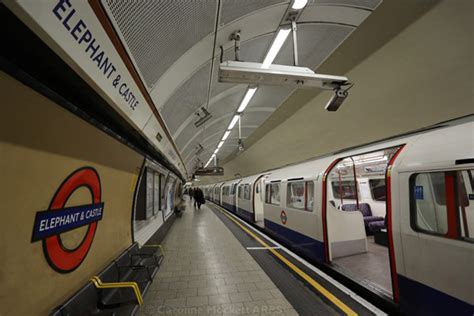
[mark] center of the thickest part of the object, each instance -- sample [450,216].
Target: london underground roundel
[58,219]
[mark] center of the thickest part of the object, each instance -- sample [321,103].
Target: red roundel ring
[59,257]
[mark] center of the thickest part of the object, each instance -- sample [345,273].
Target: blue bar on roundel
[53,222]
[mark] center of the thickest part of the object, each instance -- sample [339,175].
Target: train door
[437,239]
[258,201]
[354,215]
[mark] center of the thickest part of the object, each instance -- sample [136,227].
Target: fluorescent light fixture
[226,134]
[299,4]
[234,121]
[276,46]
[246,99]
[216,151]
[220,144]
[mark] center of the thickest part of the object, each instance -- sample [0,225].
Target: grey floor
[372,266]
[206,271]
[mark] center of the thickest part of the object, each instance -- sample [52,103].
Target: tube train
[397,216]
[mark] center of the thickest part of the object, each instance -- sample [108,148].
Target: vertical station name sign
[68,18]
[57,219]
[73,30]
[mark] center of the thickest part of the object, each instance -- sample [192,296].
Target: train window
[300,195]
[377,189]
[272,195]
[247,191]
[225,190]
[428,214]
[441,204]
[345,189]
[241,191]
[234,187]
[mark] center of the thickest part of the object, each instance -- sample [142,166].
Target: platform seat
[138,265]
[372,223]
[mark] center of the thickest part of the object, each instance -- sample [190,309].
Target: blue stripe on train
[307,246]
[248,216]
[228,207]
[420,299]
[239,211]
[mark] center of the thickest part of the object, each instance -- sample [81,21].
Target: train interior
[356,219]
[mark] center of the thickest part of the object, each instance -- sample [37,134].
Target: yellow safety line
[346,309]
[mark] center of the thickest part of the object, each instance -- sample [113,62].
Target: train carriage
[369,212]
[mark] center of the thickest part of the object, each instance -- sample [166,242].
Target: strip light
[226,134]
[276,46]
[269,58]
[246,99]
[234,121]
[299,4]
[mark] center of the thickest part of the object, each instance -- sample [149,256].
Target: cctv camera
[336,100]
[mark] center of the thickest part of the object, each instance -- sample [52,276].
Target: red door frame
[393,268]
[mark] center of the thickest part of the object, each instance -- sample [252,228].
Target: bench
[372,223]
[119,288]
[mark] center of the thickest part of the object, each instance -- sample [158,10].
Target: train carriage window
[247,192]
[377,189]
[241,191]
[344,189]
[428,214]
[225,190]
[272,195]
[300,195]
[441,204]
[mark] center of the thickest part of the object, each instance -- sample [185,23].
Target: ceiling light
[226,134]
[246,99]
[220,144]
[216,151]
[234,121]
[299,4]
[276,46]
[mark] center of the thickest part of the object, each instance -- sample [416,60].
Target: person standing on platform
[191,194]
[198,198]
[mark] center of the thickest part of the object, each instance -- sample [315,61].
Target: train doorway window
[356,219]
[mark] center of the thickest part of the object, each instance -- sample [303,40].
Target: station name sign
[213,171]
[53,222]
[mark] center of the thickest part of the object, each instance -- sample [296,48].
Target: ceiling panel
[234,9]
[158,32]
[187,99]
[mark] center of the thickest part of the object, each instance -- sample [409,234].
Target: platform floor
[206,271]
[213,265]
[372,266]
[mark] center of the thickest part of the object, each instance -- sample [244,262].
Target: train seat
[372,223]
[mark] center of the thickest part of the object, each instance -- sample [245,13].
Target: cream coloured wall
[40,145]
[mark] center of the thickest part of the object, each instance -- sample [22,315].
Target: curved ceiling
[176,48]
